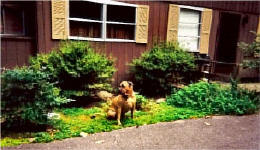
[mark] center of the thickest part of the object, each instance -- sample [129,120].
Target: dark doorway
[227,43]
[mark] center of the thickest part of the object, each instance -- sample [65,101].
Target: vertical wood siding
[248,23]
[16,52]
[252,7]
[124,52]
[121,51]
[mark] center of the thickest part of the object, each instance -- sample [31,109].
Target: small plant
[43,137]
[141,101]
[251,53]
[26,95]
[157,70]
[75,66]
[212,99]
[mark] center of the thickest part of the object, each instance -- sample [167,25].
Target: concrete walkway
[218,132]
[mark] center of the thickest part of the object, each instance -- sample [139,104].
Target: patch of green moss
[73,121]
[7,141]
[93,120]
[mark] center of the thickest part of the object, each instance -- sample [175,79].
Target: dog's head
[126,87]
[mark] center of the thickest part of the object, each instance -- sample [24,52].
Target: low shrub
[75,66]
[26,95]
[43,137]
[141,101]
[157,70]
[251,53]
[213,99]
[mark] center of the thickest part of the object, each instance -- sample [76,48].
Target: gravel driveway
[218,132]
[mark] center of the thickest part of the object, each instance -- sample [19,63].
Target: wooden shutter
[173,21]
[59,10]
[205,30]
[258,29]
[142,24]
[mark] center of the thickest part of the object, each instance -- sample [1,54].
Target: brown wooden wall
[122,51]
[125,52]
[252,7]
[16,51]
[248,23]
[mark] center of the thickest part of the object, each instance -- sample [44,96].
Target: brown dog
[124,102]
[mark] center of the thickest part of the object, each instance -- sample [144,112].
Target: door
[227,43]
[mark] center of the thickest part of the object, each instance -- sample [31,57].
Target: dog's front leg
[119,111]
[132,112]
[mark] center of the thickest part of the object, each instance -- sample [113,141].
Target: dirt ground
[217,132]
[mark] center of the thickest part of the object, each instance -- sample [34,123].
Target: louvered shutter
[258,29]
[205,30]
[59,10]
[142,24]
[173,21]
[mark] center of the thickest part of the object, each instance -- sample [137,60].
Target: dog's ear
[130,83]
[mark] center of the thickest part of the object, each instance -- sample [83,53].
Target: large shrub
[26,95]
[213,99]
[164,65]
[76,67]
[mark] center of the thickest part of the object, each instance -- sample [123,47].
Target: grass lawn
[73,121]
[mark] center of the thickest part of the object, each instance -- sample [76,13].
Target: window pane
[121,13]
[86,10]
[12,21]
[85,29]
[190,43]
[116,31]
[188,30]
[189,16]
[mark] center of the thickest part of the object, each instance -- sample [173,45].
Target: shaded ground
[250,86]
[218,132]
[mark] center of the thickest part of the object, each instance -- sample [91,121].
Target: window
[106,21]
[12,20]
[189,28]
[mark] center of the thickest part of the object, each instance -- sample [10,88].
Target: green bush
[43,137]
[157,70]
[75,66]
[211,98]
[141,101]
[27,96]
[251,53]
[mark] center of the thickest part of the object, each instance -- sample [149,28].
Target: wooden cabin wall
[123,52]
[251,7]
[248,23]
[17,51]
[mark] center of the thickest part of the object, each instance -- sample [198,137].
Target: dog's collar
[125,96]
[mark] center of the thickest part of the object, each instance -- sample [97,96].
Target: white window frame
[104,22]
[196,9]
